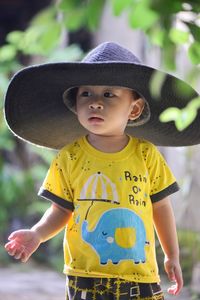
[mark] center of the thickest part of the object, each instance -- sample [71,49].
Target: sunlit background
[163,34]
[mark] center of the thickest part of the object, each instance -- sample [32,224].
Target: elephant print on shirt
[118,235]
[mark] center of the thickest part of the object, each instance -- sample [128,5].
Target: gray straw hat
[36,112]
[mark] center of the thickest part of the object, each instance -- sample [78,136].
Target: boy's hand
[22,244]
[173,270]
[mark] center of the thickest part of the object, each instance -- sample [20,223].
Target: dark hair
[136,95]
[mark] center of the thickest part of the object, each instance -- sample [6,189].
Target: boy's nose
[96,105]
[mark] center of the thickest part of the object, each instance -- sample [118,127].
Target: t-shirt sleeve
[162,181]
[56,186]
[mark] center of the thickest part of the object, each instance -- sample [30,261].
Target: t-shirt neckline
[120,155]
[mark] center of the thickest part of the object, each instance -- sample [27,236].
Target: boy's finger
[12,251]
[11,236]
[18,253]
[172,289]
[15,235]
[176,288]
[179,280]
[24,257]
[7,245]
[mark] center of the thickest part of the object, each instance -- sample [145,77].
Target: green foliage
[41,37]
[189,243]
[7,52]
[18,194]
[190,252]
[159,20]
[194,53]
[71,53]
[182,117]
[178,36]
[142,16]
[156,83]
[56,253]
[77,14]
[119,6]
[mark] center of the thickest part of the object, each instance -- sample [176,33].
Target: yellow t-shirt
[110,233]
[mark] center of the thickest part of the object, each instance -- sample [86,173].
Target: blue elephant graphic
[106,241]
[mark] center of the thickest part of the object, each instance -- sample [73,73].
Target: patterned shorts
[82,288]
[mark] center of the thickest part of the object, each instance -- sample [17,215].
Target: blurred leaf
[38,172]
[119,6]
[38,207]
[157,35]
[156,83]
[50,37]
[45,16]
[194,53]
[195,6]
[3,87]
[14,37]
[40,37]
[6,141]
[77,14]
[67,5]
[178,36]
[9,67]
[185,119]
[194,29]
[194,104]
[193,76]
[46,155]
[166,7]
[183,89]
[182,117]
[28,38]
[70,53]
[142,16]
[169,55]
[94,12]
[170,114]
[40,40]
[7,52]
[75,19]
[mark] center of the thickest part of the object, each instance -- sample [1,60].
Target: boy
[109,188]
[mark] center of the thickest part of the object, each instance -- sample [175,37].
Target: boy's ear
[137,109]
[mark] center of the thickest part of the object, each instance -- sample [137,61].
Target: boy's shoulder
[73,147]
[144,144]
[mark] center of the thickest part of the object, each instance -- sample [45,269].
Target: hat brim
[35,112]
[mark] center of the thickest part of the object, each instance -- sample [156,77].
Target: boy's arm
[52,222]
[165,226]
[23,243]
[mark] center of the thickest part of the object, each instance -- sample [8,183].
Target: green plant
[189,252]
[189,243]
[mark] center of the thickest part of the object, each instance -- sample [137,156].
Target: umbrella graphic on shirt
[99,188]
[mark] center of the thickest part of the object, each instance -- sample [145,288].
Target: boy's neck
[108,144]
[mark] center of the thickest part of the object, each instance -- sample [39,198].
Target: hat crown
[110,52]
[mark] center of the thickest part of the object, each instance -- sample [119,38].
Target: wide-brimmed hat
[35,110]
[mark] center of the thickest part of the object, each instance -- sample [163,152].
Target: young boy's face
[106,110]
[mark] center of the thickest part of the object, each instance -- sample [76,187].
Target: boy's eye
[85,94]
[108,95]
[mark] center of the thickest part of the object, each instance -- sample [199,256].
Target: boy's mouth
[95,119]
